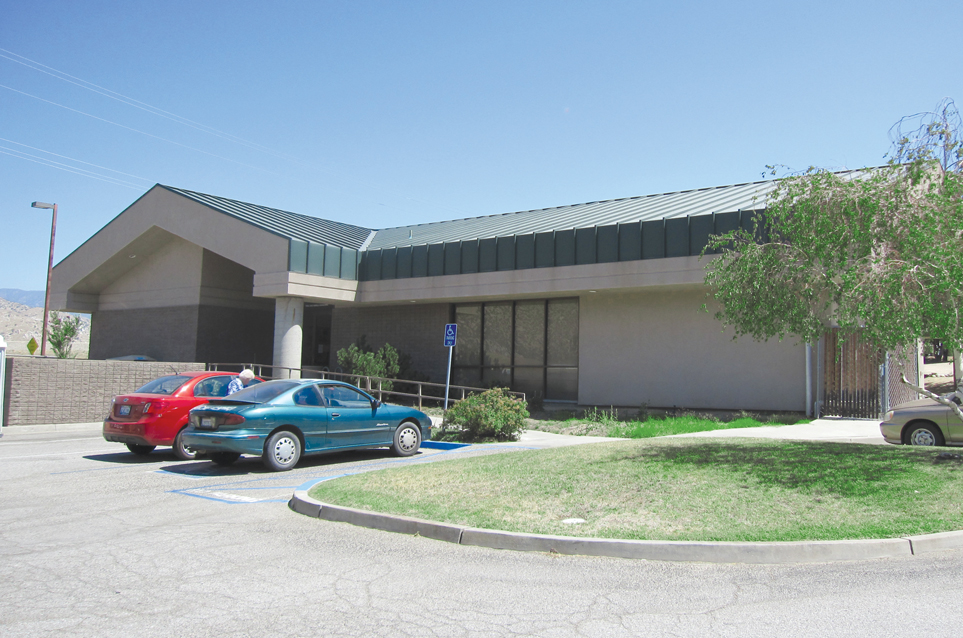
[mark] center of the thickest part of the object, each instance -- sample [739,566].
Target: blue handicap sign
[451,331]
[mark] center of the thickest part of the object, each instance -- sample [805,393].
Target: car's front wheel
[181,451]
[924,434]
[142,450]
[407,439]
[282,451]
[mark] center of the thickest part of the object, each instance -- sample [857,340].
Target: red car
[157,413]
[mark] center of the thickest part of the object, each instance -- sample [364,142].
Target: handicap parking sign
[451,331]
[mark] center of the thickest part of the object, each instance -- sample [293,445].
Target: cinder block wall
[46,390]
[418,330]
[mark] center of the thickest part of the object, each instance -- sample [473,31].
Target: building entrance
[316,342]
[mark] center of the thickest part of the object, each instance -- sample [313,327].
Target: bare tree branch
[941,399]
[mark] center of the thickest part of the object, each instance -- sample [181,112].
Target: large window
[529,346]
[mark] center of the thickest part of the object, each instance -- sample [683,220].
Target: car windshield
[165,385]
[262,392]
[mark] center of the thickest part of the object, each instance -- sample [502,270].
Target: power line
[64,167]
[129,128]
[72,159]
[129,101]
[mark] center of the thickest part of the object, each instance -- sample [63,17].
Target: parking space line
[230,499]
[222,491]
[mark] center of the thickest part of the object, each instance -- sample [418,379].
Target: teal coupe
[282,420]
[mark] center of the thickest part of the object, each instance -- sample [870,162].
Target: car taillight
[232,419]
[155,407]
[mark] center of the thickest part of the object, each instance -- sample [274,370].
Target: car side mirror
[956,400]
[375,404]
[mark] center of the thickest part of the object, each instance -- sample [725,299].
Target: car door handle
[335,415]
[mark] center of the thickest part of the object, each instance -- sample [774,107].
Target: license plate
[207,423]
[124,410]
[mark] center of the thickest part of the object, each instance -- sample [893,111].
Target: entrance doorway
[316,341]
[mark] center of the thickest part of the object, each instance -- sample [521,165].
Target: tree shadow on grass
[841,469]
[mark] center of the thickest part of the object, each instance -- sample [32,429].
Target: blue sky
[389,113]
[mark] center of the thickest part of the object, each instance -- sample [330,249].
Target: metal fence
[418,392]
[859,381]
[900,362]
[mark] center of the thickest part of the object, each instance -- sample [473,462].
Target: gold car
[922,422]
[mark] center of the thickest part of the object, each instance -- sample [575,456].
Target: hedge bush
[491,415]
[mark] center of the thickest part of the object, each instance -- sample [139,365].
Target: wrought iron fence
[416,391]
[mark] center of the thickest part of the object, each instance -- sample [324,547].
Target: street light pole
[50,262]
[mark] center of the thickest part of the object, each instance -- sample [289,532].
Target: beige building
[598,303]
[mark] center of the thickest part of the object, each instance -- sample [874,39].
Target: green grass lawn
[602,423]
[679,489]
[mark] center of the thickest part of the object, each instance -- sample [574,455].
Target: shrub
[360,358]
[493,414]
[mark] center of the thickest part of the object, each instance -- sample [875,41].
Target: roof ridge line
[599,201]
[280,210]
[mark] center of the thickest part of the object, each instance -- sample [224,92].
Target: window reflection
[529,346]
[497,338]
[468,345]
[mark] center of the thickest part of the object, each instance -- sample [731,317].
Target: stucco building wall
[183,303]
[661,348]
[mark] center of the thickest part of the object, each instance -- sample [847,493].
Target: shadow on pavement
[253,464]
[129,458]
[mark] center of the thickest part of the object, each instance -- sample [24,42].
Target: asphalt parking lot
[97,542]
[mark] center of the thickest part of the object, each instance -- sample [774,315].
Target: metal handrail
[373,385]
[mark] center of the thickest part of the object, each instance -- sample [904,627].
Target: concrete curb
[679,551]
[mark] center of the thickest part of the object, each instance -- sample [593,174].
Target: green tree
[360,358]
[877,251]
[64,330]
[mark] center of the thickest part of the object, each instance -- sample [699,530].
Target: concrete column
[288,319]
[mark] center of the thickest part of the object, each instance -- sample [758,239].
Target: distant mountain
[19,323]
[29,298]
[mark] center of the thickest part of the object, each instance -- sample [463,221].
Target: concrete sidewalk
[829,429]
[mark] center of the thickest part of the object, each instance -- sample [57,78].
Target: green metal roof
[703,201]
[282,222]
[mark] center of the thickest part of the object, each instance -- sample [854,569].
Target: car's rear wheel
[225,458]
[181,451]
[924,434]
[282,451]
[407,439]
[142,450]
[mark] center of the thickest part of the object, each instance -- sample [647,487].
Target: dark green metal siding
[656,239]
[630,241]
[524,252]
